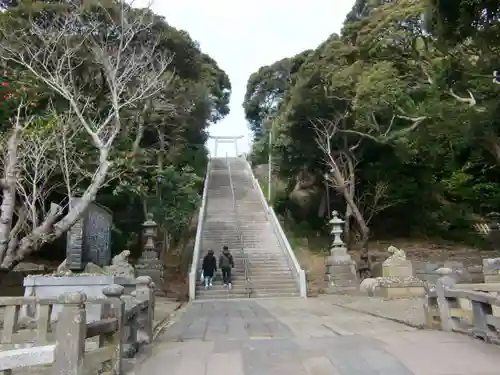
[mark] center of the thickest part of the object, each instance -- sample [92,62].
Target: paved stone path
[298,337]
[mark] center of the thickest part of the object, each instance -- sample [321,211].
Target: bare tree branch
[471,101]
[55,50]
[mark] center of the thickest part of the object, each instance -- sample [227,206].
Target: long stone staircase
[261,265]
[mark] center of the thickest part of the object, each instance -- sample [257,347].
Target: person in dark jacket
[209,268]
[226,262]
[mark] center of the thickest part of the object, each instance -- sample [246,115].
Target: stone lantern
[338,250]
[149,231]
[340,268]
[149,263]
[337,229]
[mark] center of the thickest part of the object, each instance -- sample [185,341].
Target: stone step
[271,289]
[219,289]
[253,272]
[253,238]
[264,267]
[252,276]
[267,268]
[234,234]
[203,297]
[277,294]
[257,293]
[263,264]
[271,285]
[274,277]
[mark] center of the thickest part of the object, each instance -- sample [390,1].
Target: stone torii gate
[226,139]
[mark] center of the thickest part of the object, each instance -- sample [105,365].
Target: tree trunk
[50,229]
[9,191]
[364,267]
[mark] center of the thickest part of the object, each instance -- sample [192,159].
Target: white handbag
[202,277]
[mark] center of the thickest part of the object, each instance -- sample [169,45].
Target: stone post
[70,335]
[115,309]
[443,284]
[145,292]
[340,268]
[149,263]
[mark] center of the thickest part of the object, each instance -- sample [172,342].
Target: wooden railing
[465,308]
[126,322]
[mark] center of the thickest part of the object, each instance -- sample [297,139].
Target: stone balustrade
[72,345]
[466,308]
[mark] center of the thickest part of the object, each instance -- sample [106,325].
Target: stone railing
[193,273]
[465,308]
[72,345]
[293,263]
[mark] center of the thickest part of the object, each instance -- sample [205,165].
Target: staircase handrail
[193,273]
[239,231]
[273,219]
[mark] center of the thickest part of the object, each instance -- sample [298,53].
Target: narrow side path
[313,337]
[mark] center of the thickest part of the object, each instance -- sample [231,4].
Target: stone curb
[165,322]
[396,320]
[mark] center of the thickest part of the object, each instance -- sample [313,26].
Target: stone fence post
[444,303]
[115,309]
[144,293]
[70,335]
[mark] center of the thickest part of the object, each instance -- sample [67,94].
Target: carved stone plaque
[89,240]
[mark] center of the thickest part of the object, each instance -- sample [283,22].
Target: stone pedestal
[491,270]
[341,276]
[150,265]
[391,288]
[398,268]
[397,279]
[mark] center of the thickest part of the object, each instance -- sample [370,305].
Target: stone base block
[399,291]
[492,278]
[342,289]
[342,271]
[397,268]
[53,286]
[341,278]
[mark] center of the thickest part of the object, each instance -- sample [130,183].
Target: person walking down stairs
[226,263]
[209,268]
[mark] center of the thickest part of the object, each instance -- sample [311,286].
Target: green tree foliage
[407,89]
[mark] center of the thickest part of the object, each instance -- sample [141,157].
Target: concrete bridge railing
[126,322]
[293,263]
[193,273]
[466,308]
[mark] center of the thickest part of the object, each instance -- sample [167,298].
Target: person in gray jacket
[226,263]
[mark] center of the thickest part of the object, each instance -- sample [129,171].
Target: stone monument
[397,265]
[397,277]
[149,263]
[89,240]
[120,266]
[340,268]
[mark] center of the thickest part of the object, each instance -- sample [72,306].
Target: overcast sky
[245,35]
